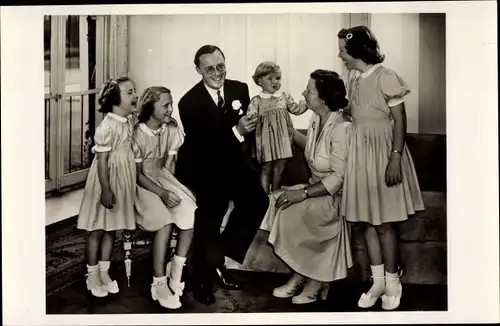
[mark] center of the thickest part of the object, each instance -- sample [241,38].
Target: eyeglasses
[221,68]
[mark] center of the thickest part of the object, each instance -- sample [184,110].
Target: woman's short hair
[360,43]
[149,97]
[264,69]
[331,89]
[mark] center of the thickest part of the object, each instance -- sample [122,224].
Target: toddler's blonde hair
[264,69]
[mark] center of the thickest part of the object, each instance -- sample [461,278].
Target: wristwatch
[306,192]
[397,152]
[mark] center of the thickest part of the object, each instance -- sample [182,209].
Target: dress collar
[151,132]
[370,71]
[266,95]
[117,117]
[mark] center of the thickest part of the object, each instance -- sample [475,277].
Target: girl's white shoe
[312,289]
[111,287]
[93,281]
[161,291]
[367,300]
[177,288]
[107,284]
[391,302]
[289,289]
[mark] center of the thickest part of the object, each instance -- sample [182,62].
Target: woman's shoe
[391,302]
[291,287]
[312,289]
[367,300]
[161,291]
[93,281]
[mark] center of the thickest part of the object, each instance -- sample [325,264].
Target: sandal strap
[399,274]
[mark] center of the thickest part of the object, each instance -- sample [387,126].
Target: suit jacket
[211,152]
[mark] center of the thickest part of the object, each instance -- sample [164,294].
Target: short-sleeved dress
[311,236]
[151,147]
[113,135]
[366,197]
[274,131]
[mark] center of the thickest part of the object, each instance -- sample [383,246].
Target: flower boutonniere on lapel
[237,106]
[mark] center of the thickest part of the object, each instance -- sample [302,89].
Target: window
[70,56]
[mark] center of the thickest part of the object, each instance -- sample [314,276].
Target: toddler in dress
[162,202]
[108,200]
[274,130]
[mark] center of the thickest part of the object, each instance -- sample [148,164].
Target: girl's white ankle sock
[159,279]
[378,287]
[103,272]
[177,267]
[392,284]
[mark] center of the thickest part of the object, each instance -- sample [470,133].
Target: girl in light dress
[380,184]
[108,200]
[162,202]
[274,130]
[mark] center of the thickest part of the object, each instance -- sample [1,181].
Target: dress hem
[296,267]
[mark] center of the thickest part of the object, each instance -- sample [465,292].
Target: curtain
[162,49]
[117,63]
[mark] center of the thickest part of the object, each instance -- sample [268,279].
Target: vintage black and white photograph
[249,162]
[246,163]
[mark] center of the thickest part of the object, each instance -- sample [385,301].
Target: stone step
[423,248]
[428,225]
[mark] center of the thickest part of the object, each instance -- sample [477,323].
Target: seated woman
[306,229]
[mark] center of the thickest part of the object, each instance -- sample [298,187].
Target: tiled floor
[255,297]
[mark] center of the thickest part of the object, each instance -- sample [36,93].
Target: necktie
[220,100]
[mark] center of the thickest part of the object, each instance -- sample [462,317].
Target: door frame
[57,96]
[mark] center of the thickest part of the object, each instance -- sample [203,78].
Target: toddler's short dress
[274,131]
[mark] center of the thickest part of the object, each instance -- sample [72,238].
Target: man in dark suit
[213,165]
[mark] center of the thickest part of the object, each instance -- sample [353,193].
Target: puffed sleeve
[338,154]
[294,107]
[137,147]
[253,107]
[393,87]
[103,139]
[176,139]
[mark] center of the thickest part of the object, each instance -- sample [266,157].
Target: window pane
[46,71]
[77,107]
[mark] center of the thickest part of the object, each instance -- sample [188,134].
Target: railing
[78,132]
[77,120]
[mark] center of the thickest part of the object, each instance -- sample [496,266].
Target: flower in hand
[393,170]
[108,199]
[170,199]
[290,197]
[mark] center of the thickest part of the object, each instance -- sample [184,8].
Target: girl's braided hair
[110,94]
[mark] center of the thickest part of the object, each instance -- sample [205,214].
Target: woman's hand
[170,199]
[108,199]
[290,197]
[393,170]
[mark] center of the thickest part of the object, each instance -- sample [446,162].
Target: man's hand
[246,124]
